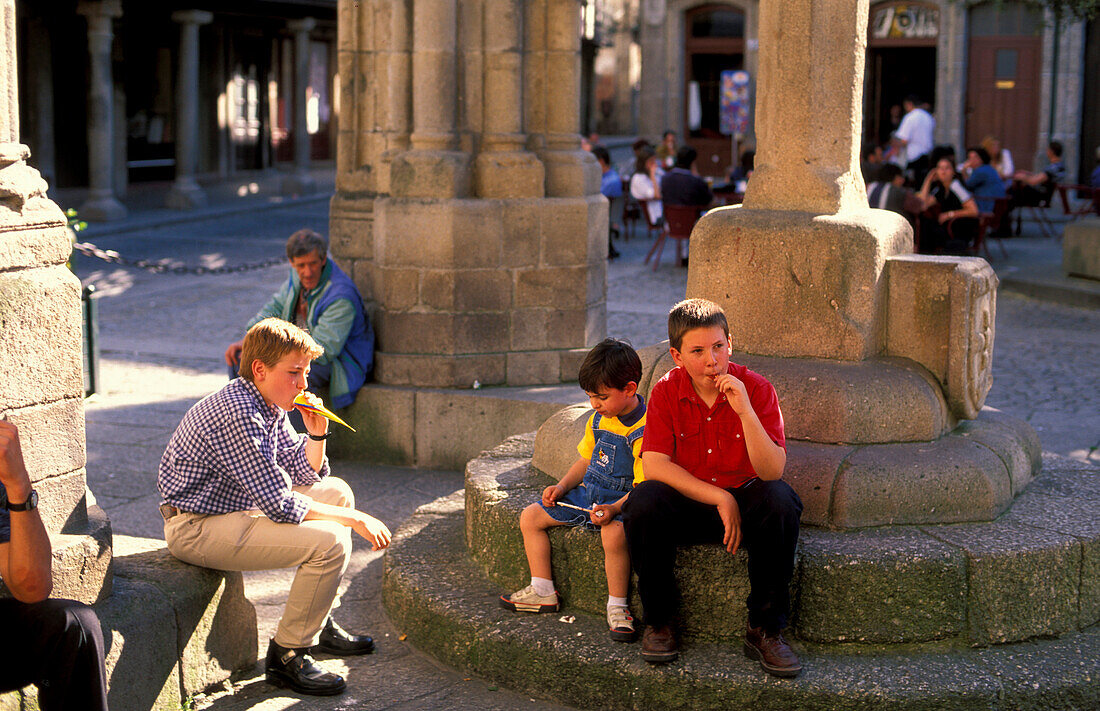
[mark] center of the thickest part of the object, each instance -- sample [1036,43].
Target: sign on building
[905,20]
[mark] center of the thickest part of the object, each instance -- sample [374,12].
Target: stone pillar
[300,182]
[441,212]
[877,354]
[186,193]
[43,393]
[504,168]
[101,205]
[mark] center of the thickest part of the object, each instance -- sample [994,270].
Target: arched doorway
[714,42]
[1003,77]
[901,60]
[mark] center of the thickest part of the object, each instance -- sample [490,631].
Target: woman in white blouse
[645,184]
[1000,158]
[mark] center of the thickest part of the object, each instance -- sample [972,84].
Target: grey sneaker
[620,623]
[527,600]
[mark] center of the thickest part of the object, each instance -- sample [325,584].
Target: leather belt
[168,511]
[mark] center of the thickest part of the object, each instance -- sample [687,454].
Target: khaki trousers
[248,540]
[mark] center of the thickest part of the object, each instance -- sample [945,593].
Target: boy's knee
[533,517]
[331,541]
[338,493]
[780,499]
[646,499]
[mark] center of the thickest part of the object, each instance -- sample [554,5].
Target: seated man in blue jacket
[323,301]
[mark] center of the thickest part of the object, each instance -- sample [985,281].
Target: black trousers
[657,518]
[57,645]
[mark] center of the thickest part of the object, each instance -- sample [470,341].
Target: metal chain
[109,255]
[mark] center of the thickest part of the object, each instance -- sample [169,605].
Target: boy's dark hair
[888,172]
[983,154]
[685,156]
[1056,148]
[611,364]
[306,241]
[601,154]
[694,313]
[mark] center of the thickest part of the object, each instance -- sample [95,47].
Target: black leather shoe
[295,669]
[334,640]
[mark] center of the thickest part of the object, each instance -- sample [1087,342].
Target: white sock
[616,601]
[543,586]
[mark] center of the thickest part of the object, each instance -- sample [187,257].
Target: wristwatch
[29,505]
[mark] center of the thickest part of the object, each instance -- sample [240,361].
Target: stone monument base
[999,615]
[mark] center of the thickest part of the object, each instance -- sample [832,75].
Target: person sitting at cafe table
[949,222]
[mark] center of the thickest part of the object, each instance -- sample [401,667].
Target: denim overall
[610,474]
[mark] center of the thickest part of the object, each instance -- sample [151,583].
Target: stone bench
[171,630]
[1032,572]
[1081,249]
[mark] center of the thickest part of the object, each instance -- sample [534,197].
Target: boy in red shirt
[713,455]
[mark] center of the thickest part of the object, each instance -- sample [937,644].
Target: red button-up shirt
[709,442]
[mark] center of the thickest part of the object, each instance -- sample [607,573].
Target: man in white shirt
[915,136]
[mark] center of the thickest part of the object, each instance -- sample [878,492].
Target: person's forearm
[768,458]
[315,453]
[574,475]
[666,471]
[30,558]
[343,515]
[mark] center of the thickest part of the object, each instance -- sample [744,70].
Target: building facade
[986,69]
[142,85]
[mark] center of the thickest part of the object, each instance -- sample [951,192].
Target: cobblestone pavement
[162,342]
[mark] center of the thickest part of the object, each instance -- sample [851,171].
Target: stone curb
[437,596]
[1030,573]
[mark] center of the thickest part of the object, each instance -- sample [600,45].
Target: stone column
[504,168]
[469,272]
[186,193]
[300,182]
[876,354]
[40,351]
[555,54]
[101,205]
[434,167]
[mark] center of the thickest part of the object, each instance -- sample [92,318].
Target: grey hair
[305,242]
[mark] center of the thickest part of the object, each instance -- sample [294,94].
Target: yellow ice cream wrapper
[301,402]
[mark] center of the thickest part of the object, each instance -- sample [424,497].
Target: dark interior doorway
[894,73]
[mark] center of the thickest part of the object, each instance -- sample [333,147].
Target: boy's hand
[373,530]
[603,514]
[316,424]
[551,494]
[730,514]
[735,392]
[233,354]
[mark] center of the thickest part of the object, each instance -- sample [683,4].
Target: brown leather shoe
[659,645]
[772,651]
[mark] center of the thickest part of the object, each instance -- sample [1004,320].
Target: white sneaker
[621,623]
[527,600]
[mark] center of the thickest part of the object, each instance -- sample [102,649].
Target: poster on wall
[734,104]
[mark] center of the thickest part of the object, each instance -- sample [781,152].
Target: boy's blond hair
[271,339]
[694,313]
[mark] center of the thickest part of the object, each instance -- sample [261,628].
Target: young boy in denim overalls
[609,466]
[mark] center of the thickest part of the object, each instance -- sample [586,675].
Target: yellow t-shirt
[612,424]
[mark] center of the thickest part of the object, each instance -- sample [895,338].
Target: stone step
[440,428]
[1034,571]
[170,630]
[441,599]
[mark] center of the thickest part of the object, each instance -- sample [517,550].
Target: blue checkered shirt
[234,452]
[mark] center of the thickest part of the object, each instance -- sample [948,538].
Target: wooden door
[1002,91]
